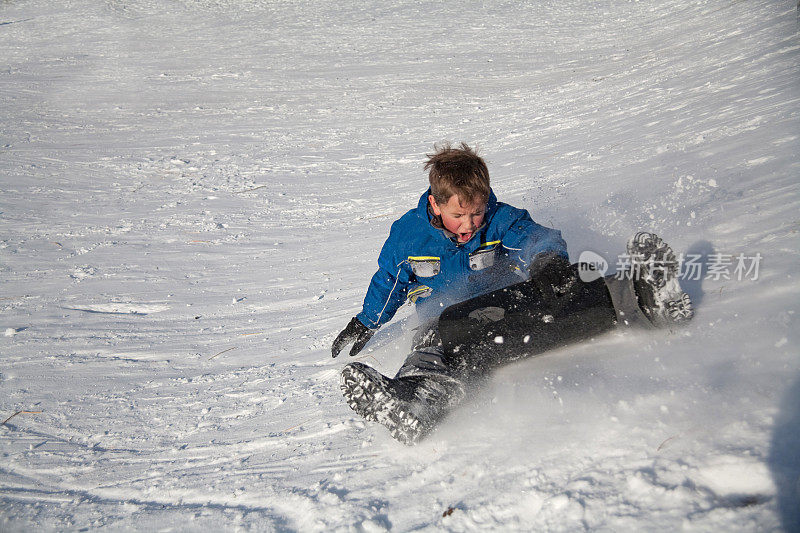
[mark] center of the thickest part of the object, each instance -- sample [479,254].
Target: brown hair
[458,171]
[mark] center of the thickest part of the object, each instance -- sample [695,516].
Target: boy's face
[463,220]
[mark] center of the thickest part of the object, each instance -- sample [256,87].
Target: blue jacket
[421,263]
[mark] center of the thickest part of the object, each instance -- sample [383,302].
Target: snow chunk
[729,475]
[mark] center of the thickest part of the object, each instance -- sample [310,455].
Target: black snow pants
[473,337]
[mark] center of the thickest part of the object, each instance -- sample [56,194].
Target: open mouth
[464,237]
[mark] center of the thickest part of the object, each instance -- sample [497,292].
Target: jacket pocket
[420,291]
[484,256]
[425,266]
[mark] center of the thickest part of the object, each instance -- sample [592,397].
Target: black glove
[551,273]
[355,331]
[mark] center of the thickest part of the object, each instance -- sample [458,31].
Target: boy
[490,285]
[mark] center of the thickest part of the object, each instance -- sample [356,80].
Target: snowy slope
[192,198]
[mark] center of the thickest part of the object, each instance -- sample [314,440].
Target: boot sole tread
[371,401]
[673,305]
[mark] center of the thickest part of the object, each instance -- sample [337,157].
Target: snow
[193,196]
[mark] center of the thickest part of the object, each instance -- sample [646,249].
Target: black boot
[655,281]
[409,407]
